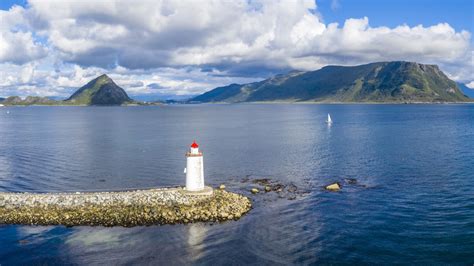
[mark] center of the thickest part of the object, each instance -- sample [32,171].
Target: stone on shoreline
[222,186]
[128,208]
[254,190]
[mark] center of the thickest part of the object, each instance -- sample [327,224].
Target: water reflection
[5,172]
[104,245]
[31,231]
[196,235]
[89,237]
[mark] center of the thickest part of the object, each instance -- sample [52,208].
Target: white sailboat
[329,121]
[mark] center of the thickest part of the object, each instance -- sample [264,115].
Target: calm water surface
[414,201]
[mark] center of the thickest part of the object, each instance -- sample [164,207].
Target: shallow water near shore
[413,201]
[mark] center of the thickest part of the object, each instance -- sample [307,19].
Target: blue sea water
[413,201]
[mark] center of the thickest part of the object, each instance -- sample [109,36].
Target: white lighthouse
[194,169]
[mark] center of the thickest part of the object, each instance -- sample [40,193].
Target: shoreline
[340,103]
[243,103]
[123,208]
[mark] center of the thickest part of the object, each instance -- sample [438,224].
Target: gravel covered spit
[128,208]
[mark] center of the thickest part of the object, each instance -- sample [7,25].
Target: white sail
[329,121]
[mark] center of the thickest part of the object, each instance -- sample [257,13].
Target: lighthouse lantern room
[194,169]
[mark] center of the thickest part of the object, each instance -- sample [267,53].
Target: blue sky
[6,4]
[161,48]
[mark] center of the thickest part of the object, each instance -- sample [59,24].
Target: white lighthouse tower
[194,169]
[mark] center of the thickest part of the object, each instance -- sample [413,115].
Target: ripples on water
[414,201]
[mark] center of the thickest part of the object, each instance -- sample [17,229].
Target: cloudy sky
[166,48]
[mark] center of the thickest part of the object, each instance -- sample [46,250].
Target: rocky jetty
[130,208]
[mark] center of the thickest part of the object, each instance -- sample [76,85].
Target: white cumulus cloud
[17,44]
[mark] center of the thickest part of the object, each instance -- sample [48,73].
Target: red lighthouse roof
[194,145]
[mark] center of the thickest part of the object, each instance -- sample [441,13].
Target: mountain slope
[376,82]
[99,91]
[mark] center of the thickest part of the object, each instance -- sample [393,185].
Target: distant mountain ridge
[100,91]
[397,81]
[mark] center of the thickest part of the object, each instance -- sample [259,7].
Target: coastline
[80,105]
[338,103]
[123,208]
[263,102]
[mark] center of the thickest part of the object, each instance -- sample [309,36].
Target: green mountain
[397,81]
[100,91]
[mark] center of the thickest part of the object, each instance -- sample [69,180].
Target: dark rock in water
[292,188]
[245,179]
[289,191]
[262,181]
[351,181]
[278,187]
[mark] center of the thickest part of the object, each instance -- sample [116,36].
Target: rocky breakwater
[127,208]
